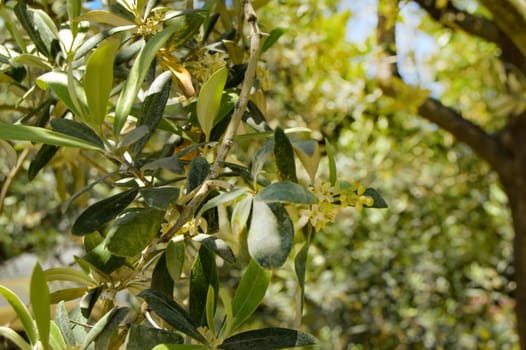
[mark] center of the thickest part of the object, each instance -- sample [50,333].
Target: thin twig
[11,176]
[228,138]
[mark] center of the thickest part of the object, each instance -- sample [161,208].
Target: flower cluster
[330,200]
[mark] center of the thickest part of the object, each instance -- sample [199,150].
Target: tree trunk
[514,183]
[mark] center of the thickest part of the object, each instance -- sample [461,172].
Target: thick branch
[454,18]
[510,17]
[486,146]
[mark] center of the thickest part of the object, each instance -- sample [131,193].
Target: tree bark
[513,138]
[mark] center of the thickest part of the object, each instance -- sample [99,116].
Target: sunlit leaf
[64,323]
[98,328]
[41,135]
[309,155]
[39,298]
[209,100]
[22,313]
[240,215]
[222,198]
[332,162]
[40,28]
[270,235]
[56,340]
[180,347]
[249,293]
[68,274]
[58,83]
[15,338]
[98,80]
[136,76]
[106,17]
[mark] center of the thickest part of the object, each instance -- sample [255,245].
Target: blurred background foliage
[431,272]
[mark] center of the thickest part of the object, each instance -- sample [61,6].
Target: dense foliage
[155,113]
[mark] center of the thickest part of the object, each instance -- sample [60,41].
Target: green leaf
[153,107]
[67,274]
[160,197]
[171,312]
[58,83]
[217,245]
[40,28]
[133,231]
[98,328]
[187,25]
[260,158]
[32,61]
[180,347]
[209,100]
[102,259]
[379,202]
[222,198]
[64,323]
[136,76]
[272,38]
[284,156]
[240,215]
[197,174]
[109,336]
[211,302]
[77,130]
[286,191]
[56,340]
[300,263]
[39,298]
[270,235]
[41,135]
[100,213]
[226,300]
[161,279]
[43,156]
[309,155]
[141,337]
[88,301]
[67,294]
[98,80]
[15,338]
[333,175]
[175,259]
[132,137]
[105,17]
[268,338]
[249,293]
[202,276]
[170,163]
